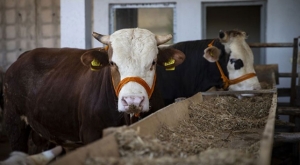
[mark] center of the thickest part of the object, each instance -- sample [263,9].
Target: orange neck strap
[137,80]
[228,82]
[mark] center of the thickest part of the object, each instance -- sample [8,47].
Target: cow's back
[194,75]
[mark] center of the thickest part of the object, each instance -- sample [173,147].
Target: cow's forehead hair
[236,35]
[134,47]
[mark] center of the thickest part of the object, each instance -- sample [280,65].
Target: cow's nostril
[132,100]
[124,102]
[142,100]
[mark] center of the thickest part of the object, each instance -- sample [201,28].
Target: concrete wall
[27,24]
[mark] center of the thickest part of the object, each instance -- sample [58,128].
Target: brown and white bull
[69,95]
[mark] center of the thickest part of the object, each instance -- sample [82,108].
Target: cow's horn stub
[161,39]
[102,38]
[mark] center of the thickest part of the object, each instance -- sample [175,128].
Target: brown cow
[69,95]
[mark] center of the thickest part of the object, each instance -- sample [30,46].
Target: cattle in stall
[199,72]
[68,96]
[43,158]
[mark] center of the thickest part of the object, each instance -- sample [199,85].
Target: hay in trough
[220,130]
[220,122]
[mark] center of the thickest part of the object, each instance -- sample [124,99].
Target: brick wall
[25,25]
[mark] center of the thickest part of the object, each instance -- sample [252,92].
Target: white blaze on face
[134,51]
[240,50]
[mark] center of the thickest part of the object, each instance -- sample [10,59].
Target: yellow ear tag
[95,63]
[170,62]
[169,69]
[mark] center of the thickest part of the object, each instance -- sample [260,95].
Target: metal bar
[287,137]
[288,110]
[239,92]
[286,75]
[294,72]
[259,45]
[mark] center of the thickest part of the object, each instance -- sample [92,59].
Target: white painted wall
[283,25]
[73,27]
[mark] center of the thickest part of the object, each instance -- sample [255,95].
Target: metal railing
[293,73]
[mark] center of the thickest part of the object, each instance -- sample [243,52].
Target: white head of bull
[133,55]
[240,67]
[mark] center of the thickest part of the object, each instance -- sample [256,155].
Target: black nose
[221,34]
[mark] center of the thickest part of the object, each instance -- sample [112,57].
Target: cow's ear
[95,59]
[212,54]
[170,57]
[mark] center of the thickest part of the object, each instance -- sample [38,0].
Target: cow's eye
[152,65]
[111,63]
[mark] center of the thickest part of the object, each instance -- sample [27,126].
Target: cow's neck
[227,82]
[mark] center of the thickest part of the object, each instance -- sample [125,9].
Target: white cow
[240,67]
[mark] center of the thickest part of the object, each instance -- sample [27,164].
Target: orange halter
[226,81]
[137,80]
[134,79]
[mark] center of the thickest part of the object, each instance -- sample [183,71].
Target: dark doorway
[246,18]
[126,18]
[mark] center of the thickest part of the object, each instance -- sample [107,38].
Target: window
[156,17]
